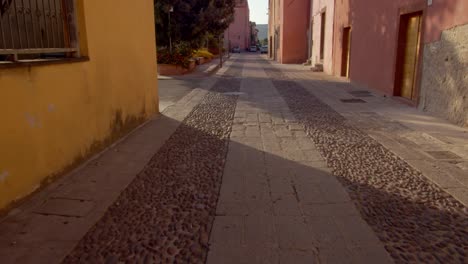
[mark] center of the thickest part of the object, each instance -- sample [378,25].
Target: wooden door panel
[407,55]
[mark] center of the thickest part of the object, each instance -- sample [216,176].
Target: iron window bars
[37,29]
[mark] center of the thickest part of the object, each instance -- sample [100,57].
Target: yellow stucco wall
[52,116]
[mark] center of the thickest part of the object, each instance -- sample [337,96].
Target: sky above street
[258,11]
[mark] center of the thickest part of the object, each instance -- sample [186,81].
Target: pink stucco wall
[294,29]
[238,33]
[443,15]
[318,6]
[375,33]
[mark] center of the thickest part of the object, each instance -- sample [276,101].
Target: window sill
[40,62]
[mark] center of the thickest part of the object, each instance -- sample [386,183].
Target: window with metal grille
[37,29]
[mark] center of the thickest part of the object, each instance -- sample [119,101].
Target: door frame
[406,10]
[349,51]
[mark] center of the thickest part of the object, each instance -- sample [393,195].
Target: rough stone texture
[416,220]
[166,213]
[444,86]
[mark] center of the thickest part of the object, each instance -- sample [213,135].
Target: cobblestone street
[261,163]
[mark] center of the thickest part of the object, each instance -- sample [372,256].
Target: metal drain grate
[361,93]
[234,93]
[442,155]
[352,101]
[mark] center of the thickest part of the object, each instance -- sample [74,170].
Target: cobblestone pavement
[165,215]
[415,219]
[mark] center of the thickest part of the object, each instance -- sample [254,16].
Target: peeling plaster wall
[54,116]
[444,86]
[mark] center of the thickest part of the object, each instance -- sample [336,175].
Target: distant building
[239,32]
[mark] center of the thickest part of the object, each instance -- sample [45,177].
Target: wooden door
[408,55]
[346,52]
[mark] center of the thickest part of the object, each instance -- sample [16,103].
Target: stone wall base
[444,84]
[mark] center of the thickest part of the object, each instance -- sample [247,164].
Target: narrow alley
[260,163]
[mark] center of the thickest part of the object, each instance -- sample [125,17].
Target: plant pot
[192,65]
[171,70]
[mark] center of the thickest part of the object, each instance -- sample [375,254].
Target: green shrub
[181,55]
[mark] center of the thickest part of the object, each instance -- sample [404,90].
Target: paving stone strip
[415,219]
[166,213]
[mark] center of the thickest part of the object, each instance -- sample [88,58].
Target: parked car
[253,48]
[236,50]
[264,49]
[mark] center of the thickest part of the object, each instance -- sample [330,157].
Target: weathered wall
[444,82]
[374,35]
[443,15]
[317,8]
[54,116]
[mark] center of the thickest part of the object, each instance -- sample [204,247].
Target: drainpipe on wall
[333,39]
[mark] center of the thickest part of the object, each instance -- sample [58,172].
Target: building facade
[413,50]
[289,30]
[57,112]
[238,35]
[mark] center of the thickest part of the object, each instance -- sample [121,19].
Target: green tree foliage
[191,20]
[4,5]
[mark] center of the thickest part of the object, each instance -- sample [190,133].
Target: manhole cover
[234,93]
[352,101]
[66,207]
[443,155]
